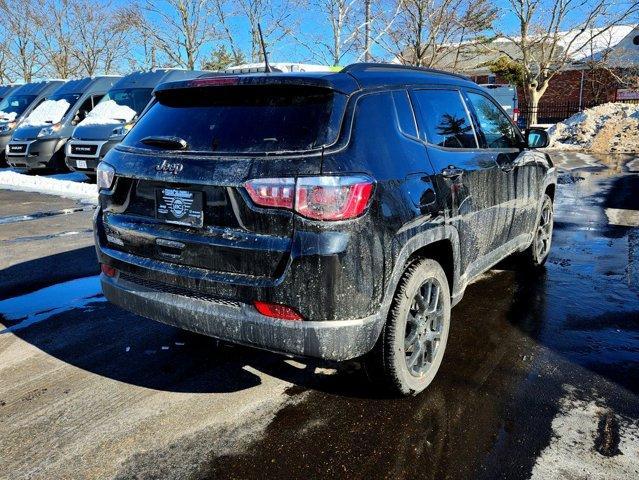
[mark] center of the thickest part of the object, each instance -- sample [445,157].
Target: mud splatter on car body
[466,207]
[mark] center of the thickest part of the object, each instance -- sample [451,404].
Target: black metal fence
[555,112]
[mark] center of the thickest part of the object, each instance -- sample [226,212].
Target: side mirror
[537,138]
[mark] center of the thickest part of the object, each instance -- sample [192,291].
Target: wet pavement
[540,378]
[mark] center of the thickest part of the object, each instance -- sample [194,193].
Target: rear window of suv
[243,119]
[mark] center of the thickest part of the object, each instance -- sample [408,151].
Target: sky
[311,28]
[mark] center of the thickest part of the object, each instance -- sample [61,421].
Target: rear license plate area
[180,207]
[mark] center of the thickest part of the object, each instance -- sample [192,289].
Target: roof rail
[365,67]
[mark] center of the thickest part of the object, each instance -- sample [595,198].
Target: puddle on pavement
[25,310]
[515,338]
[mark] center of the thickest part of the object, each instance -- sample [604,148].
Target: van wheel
[537,254]
[412,343]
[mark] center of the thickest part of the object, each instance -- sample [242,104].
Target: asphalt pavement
[540,378]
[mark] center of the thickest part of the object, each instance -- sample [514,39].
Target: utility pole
[367,31]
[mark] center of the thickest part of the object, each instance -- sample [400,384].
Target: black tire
[388,363]
[537,253]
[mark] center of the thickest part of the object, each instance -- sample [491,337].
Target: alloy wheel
[543,235]
[424,327]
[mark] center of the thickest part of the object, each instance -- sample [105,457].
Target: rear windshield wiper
[169,143]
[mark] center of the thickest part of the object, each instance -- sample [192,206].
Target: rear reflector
[317,198]
[108,270]
[275,310]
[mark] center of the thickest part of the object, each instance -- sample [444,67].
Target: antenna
[267,67]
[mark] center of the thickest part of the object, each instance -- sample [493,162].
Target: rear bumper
[240,323]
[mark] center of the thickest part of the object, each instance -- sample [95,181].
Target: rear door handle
[452,172]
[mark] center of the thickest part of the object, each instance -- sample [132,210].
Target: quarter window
[404,111]
[444,119]
[494,124]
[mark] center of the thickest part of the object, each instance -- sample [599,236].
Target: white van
[506,96]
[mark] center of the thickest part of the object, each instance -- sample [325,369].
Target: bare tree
[56,40]
[551,32]
[5,75]
[225,13]
[428,33]
[346,23]
[278,21]
[101,34]
[379,18]
[178,29]
[17,20]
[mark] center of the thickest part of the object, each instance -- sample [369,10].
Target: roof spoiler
[339,83]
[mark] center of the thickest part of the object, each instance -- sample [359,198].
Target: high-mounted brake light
[214,81]
[276,310]
[317,198]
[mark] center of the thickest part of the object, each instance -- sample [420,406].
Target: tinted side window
[444,119]
[496,127]
[404,111]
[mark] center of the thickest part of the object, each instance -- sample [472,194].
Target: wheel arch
[441,244]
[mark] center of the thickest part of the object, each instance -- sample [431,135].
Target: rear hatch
[180,195]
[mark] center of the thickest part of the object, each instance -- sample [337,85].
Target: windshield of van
[243,119]
[134,98]
[51,110]
[13,106]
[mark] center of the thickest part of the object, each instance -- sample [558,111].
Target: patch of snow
[611,127]
[47,113]
[8,116]
[72,177]
[571,453]
[52,186]
[105,113]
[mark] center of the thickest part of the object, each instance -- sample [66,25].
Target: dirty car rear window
[244,119]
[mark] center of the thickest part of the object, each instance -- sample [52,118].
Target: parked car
[5,90]
[19,104]
[506,96]
[330,215]
[114,116]
[39,140]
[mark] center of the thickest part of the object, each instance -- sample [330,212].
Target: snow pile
[47,113]
[86,192]
[105,113]
[8,116]
[611,127]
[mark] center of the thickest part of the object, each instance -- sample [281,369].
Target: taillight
[515,114]
[318,198]
[272,192]
[276,310]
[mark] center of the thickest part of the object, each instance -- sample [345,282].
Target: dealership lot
[540,379]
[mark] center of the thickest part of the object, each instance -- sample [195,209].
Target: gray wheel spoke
[412,360]
[423,306]
[410,340]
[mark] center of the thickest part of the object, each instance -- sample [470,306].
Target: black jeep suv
[330,215]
